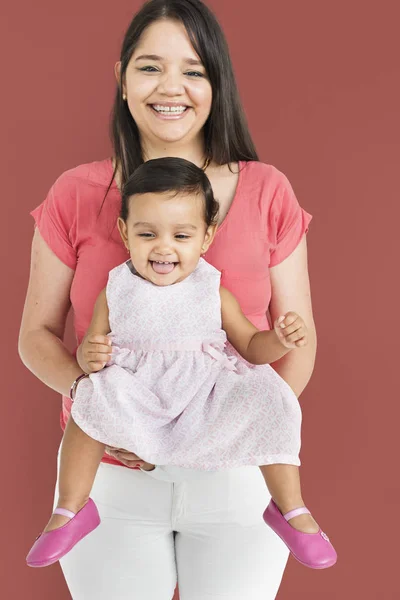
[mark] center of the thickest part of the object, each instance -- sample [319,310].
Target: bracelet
[75,383]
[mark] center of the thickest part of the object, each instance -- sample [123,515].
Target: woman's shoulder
[95,173]
[260,172]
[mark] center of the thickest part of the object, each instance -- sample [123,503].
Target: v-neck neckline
[239,183]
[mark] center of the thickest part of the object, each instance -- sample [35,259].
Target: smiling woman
[176,96]
[161,87]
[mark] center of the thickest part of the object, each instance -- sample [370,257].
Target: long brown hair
[226,134]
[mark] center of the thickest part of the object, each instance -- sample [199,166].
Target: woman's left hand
[129,459]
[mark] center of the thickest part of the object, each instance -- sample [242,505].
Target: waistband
[214,348]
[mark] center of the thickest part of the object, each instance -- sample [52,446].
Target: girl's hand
[128,458]
[291,330]
[94,352]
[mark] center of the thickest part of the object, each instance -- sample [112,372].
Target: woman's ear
[208,238]
[117,72]
[123,231]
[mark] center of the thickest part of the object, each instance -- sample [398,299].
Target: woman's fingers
[128,456]
[123,455]
[129,459]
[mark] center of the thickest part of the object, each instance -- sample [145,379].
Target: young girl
[174,391]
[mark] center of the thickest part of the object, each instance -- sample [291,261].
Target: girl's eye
[145,235]
[182,236]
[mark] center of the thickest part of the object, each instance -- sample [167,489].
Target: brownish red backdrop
[321,88]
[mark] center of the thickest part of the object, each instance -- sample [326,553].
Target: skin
[170,227]
[176,77]
[166,228]
[47,301]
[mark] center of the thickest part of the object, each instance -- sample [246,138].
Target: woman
[176,96]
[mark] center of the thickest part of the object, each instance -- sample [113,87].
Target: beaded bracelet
[75,383]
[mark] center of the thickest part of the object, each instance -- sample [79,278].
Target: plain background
[320,85]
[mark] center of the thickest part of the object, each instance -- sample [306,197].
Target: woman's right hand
[128,459]
[93,353]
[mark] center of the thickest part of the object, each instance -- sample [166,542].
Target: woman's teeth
[169,109]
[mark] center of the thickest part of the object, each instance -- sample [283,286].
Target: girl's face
[168,92]
[166,234]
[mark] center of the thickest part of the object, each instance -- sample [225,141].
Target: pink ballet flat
[312,550]
[50,546]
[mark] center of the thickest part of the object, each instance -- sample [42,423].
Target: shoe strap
[296,512]
[65,512]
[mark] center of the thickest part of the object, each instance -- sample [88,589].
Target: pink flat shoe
[50,546]
[312,550]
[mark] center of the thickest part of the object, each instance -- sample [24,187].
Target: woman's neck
[194,152]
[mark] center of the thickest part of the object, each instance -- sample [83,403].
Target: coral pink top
[264,225]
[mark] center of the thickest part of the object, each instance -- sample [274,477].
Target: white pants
[201,529]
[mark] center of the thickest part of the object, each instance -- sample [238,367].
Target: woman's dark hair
[227,138]
[170,175]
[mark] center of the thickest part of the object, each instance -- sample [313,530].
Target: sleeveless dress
[175,392]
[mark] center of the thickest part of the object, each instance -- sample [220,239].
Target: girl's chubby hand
[291,330]
[94,352]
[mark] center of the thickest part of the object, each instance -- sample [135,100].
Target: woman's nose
[171,83]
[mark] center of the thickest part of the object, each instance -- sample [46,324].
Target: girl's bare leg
[80,459]
[283,482]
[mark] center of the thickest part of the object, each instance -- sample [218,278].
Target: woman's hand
[291,330]
[94,352]
[128,458]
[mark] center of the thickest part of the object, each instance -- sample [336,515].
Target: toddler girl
[189,381]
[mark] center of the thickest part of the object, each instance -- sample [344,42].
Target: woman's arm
[47,303]
[291,291]
[257,347]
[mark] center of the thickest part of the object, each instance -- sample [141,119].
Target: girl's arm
[94,350]
[291,291]
[100,323]
[257,347]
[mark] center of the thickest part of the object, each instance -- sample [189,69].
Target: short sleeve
[288,222]
[55,219]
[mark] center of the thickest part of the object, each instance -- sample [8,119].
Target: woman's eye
[148,69]
[195,74]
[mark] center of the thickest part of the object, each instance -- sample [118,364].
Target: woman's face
[168,92]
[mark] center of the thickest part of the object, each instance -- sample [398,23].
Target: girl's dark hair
[226,135]
[170,175]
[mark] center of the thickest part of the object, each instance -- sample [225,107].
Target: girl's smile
[166,235]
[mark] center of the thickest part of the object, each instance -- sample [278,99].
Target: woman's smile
[169,110]
[168,91]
